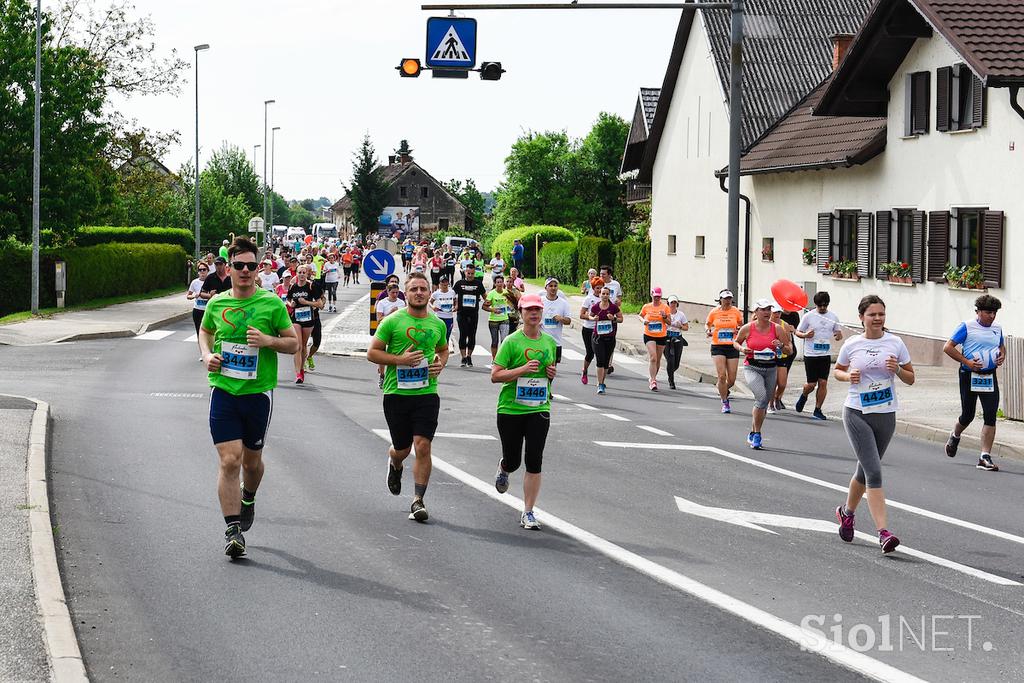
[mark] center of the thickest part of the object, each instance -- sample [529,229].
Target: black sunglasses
[251,266]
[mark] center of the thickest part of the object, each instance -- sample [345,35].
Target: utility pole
[273,139]
[198,49]
[266,104]
[35,160]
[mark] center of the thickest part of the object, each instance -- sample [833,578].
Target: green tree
[234,174]
[368,189]
[603,212]
[538,187]
[74,178]
[467,193]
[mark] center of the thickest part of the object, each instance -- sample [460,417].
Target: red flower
[904,265]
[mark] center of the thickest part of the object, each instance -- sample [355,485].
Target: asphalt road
[635,575]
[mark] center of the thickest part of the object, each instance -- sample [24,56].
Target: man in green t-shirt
[525,366]
[242,332]
[223,252]
[412,344]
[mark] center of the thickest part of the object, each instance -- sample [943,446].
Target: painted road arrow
[759,520]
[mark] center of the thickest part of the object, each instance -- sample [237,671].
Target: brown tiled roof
[802,141]
[988,34]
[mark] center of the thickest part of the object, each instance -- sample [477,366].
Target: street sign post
[451,43]
[256,224]
[378,264]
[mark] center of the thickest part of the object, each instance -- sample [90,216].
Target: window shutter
[908,106]
[978,102]
[943,76]
[992,248]
[864,244]
[883,240]
[917,248]
[922,92]
[938,245]
[824,246]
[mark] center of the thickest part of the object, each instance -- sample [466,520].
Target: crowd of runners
[249,308]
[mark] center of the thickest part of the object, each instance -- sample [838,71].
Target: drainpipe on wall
[746,242]
[1014,92]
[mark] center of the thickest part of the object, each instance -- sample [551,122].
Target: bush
[91,236]
[594,252]
[558,259]
[527,234]
[104,270]
[633,270]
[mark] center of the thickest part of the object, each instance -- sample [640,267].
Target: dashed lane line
[155,335]
[653,430]
[613,416]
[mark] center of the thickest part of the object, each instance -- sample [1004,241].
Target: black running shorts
[409,416]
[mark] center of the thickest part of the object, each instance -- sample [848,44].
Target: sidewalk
[927,409]
[119,320]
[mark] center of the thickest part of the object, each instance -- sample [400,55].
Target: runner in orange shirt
[656,316]
[722,324]
[346,264]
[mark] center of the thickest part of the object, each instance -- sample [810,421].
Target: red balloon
[789,295]
[309,239]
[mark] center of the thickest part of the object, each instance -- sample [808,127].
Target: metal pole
[735,130]
[273,140]
[35,159]
[198,49]
[266,105]
[254,148]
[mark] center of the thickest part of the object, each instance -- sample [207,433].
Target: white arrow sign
[759,520]
[377,265]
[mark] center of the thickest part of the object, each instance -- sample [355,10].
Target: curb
[120,334]
[62,649]
[164,322]
[688,371]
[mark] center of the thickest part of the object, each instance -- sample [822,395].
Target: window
[899,238]
[845,247]
[959,99]
[423,192]
[916,103]
[671,244]
[442,223]
[845,236]
[698,249]
[403,192]
[768,249]
[903,240]
[966,237]
[967,240]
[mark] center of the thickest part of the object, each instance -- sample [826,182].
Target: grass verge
[90,305]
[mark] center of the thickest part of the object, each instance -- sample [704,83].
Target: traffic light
[491,71]
[409,68]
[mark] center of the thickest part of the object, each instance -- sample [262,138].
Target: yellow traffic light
[409,68]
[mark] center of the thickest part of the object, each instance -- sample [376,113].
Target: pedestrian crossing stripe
[451,48]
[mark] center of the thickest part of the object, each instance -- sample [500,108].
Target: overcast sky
[330,66]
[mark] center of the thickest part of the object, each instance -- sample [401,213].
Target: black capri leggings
[467,329]
[317,333]
[673,355]
[332,292]
[514,430]
[604,346]
[197,317]
[969,401]
[588,344]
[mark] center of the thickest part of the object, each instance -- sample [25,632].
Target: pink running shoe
[887,541]
[583,378]
[845,524]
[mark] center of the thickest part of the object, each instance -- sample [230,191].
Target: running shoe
[887,541]
[771,409]
[985,463]
[952,444]
[469,361]
[750,439]
[234,542]
[310,364]
[846,528]
[583,377]
[779,405]
[528,521]
[610,369]
[394,479]
[818,415]
[726,407]
[501,480]
[671,384]
[756,442]
[800,403]
[299,378]
[418,511]
[462,363]
[654,385]
[248,512]
[600,389]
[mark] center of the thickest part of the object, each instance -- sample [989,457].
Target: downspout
[1014,92]
[746,242]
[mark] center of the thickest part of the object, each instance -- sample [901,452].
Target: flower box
[977,288]
[846,276]
[897,280]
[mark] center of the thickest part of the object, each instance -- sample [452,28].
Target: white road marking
[561,397]
[482,351]
[625,360]
[191,338]
[584,406]
[807,639]
[653,430]
[570,354]
[753,520]
[357,305]
[613,416]
[386,435]
[155,335]
[817,482]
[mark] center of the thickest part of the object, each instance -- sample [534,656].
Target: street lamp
[266,104]
[273,138]
[35,161]
[254,148]
[198,49]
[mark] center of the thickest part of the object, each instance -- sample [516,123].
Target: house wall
[436,206]
[937,171]
[687,199]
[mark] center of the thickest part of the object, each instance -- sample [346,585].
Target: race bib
[604,327]
[201,303]
[239,361]
[765,355]
[726,336]
[303,314]
[655,327]
[878,397]
[451,264]
[469,300]
[502,310]
[415,377]
[531,391]
[821,347]
[983,384]
[674,334]
[446,306]
[551,322]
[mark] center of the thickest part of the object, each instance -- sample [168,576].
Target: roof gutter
[746,245]
[1015,102]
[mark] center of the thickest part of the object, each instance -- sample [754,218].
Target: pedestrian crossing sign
[451,43]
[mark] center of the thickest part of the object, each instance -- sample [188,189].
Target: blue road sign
[451,43]
[378,264]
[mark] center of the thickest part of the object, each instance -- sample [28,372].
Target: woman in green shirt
[524,366]
[496,303]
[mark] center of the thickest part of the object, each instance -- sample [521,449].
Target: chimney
[391,160]
[404,152]
[840,44]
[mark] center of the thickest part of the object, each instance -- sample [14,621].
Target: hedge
[558,259]
[593,252]
[96,272]
[91,236]
[633,270]
[527,234]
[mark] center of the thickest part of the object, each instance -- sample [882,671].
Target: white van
[457,243]
[322,231]
[295,233]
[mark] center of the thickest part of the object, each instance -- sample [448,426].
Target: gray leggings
[869,436]
[762,382]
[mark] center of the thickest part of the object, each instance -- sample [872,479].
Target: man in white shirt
[613,284]
[556,314]
[820,328]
